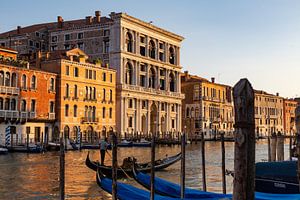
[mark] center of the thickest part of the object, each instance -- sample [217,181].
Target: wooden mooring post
[114,166]
[152,189]
[223,163]
[203,162]
[182,175]
[244,147]
[290,147]
[269,149]
[280,147]
[273,147]
[297,120]
[62,170]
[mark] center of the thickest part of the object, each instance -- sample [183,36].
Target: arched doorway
[90,133]
[74,133]
[67,132]
[55,136]
[153,118]
[144,125]
[103,132]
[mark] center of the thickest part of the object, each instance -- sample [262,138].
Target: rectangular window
[32,105]
[67,37]
[110,113]
[54,38]
[51,107]
[76,73]
[143,68]
[111,78]
[142,51]
[130,122]
[94,75]
[75,111]
[67,46]
[80,45]
[106,32]
[90,74]
[106,47]
[173,123]
[144,105]
[67,70]
[161,56]
[142,39]
[103,76]
[86,73]
[80,35]
[103,112]
[130,103]
[142,81]
[53,47]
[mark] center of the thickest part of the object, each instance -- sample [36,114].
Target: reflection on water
[35,176]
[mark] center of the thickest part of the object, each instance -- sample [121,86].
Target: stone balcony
[136,88]
[89,120]
[14,114]
[9,90]
[51,116]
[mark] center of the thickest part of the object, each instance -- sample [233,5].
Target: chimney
[88,20]
[277,94]
[60,22]
[18,29]
[97,16]
[213,79]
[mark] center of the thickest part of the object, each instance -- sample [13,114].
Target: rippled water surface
[35,176]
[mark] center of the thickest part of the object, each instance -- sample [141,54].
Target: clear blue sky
[226,39]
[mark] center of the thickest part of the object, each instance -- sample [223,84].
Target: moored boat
[3,151]
[125,170]
[142,143]
[125,143]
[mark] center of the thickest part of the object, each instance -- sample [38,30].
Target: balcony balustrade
[89,120]
[9,114]
[51,115]
[32,115]
[9,90]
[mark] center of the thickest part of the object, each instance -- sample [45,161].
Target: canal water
[36,176]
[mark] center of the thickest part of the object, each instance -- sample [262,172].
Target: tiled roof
[52,26]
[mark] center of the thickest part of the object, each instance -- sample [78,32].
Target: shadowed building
[26,105]
[207,107]
[289,107]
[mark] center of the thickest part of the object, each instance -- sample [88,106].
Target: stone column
[167,80]
[148,116]
[137,83]
[158,117]
[158,78]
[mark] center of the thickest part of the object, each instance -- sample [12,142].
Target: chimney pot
[97,16]
[88,20]
[18,29]
[60,21]
[213,79]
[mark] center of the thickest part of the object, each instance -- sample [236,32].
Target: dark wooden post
[269,149]
[291,142]
[223,162]
[244,148]
[152,167]
[27,140]
[182,177]
[203,161]
[297,120]
[273,146]
[280,147]
[62,170]
[114,165]
[80,143]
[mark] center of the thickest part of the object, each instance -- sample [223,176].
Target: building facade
[26,108]
[289,124]
[85,97]
[207,108]
[146,57]
[269,114]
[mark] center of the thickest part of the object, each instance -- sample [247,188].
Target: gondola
[166,188]
[126,191]
[143,167]
[277,177]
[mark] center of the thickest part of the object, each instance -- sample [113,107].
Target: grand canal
[35,176]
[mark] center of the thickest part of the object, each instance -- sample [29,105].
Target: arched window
[172,82]
[14,80]
[85,111]
[1,78]
[90,113]
[67,90]
[66,110]
[86,92]
[110,95]
[152,49]
[129,74]
[129,42]
[1,103]
[7,79]
[23,105]
[6,105]
[187,112]
[51,87]
[171,55]
[94,114]
[91,93]
[33,82]
[75,92]
[103,112]
[94,93]
[75,111]
[152,78]
[13,104]
[24,82]
[110,113]
[104,94]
